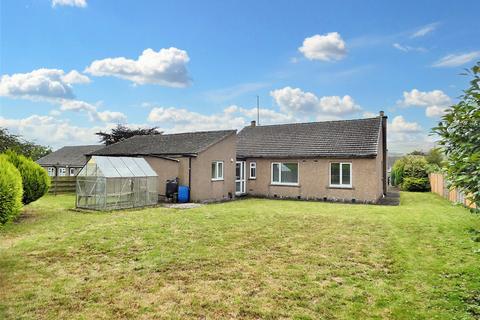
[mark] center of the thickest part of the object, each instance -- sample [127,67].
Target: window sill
[285,185]
[252,178]
[341,187]
[217,180]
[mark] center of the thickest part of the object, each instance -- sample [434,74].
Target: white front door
[240,178]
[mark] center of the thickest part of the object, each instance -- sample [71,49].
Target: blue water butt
[183,194]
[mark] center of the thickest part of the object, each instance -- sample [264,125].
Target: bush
[415,168]
[397,173]
[10,190]
[35,179]
[415,184]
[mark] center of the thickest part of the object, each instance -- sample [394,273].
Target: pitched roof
[345,138]
[72,156]
[165,144]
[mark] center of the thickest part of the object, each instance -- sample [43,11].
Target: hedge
[35,179]
[10,190]
[415,184]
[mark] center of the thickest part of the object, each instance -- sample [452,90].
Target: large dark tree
[459,133]
[21,146]
[122,132]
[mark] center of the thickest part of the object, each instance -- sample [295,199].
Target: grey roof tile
[72,156]
[344,138]
[165,144]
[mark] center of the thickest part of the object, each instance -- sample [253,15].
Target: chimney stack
[253,123]
[382,114]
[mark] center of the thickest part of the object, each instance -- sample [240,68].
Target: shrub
[10,190]
[397,172]
[35,179]
[414,167]
[415,184]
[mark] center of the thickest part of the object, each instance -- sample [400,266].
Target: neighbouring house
[203,161]
[332,160]
[67,161]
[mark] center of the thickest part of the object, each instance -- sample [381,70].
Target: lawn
[248,259]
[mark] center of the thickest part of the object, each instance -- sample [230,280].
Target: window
[285,173]
[253,170]
[62,172]
[341,174]
[51,171]
[217,170]
[72,171]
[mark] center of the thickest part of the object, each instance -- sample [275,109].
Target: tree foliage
[35,180]
[16,143]
[459,132]
[10,190]
[122,132]
[411,173]
[435,157]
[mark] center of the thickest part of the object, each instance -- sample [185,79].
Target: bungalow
[67,161]
[203,161]
[332,160]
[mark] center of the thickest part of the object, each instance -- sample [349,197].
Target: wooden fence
[63,185]
[439,186]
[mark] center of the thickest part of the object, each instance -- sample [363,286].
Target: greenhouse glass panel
[110,183]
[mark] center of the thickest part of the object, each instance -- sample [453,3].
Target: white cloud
[41,84]
[54,86]
[71,3]
[435,102]
[423,31]
[406,48]
[328,47]
[455,60]
[48,130]
[74,77]
[294,101]
[404,136]
[400,125]
[166,67]
[76,105]
[109,116]
[233,117]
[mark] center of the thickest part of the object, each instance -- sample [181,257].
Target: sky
[70,68]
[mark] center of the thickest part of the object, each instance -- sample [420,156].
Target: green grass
[247,259]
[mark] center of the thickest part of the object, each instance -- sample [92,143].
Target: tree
[459,132]
[122,132]
[435,157]
[417,153]
[16,143]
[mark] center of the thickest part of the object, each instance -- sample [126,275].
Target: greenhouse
[110,183]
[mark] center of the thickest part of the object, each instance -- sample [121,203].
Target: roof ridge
[190,132]
[311,122]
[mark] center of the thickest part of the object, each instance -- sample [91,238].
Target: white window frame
[62,172]
[280,183]
[71,172]
[217,177]
[253,165]
[51,171]
[341,185]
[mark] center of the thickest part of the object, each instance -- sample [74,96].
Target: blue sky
[72,67]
